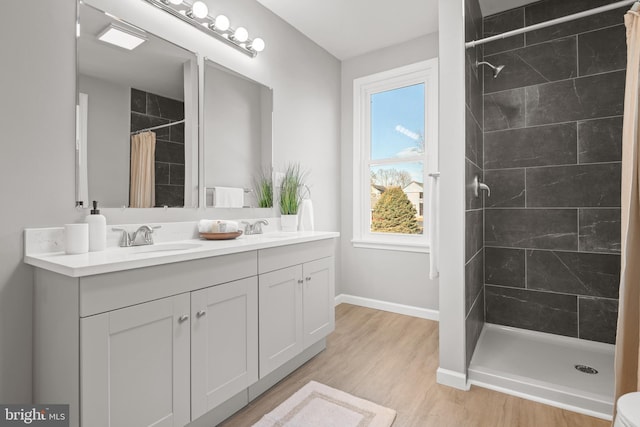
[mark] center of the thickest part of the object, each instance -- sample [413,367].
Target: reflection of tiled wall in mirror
[149,110]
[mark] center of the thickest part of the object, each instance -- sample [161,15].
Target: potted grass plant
[264,190]
[291,190]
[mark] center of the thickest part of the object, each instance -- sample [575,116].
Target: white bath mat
[317,405]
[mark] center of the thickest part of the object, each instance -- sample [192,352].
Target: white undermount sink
[161,247]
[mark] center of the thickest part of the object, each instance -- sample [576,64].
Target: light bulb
[176,2]
[240,34]
[257,44]
[221,23]
[199,9]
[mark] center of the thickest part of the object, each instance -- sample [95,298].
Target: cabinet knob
[201,313]
[308,278]
[183,318]
[300,281]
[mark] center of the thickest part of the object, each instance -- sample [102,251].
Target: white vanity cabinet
[157,346]
[140,364]
[224,343]
[134,365]
[187,342]
[296,303]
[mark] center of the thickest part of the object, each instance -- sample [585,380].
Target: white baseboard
[407,310]
[452,379]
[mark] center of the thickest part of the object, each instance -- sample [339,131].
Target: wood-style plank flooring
[391,360]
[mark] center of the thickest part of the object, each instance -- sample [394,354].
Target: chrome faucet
[255,228]
[141,237]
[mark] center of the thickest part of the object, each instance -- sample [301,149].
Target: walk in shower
[542,252]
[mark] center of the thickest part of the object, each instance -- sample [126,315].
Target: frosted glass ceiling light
[257,44]
[221,23]
[218,27]
[241,35]
[121,38]
[198,10]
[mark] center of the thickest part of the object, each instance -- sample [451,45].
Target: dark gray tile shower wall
[148,110]
[474,152]
[552,152]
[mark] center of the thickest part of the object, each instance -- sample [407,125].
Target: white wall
[36,164]
[38,133]
[108,128]
[390,276]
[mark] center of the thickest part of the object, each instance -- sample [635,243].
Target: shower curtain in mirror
[628,334]
[142,189]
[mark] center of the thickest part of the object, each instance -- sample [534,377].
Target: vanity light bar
[197,14]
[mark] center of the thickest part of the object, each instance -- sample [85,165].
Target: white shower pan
[542,367]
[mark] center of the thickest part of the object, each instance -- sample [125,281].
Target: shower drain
[586,369]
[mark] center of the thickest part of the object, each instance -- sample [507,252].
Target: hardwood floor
[391,360]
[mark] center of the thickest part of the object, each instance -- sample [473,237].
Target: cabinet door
[318,302]
[134,365]
[224,343]
[280,314]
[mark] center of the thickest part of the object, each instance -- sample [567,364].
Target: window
[395,148]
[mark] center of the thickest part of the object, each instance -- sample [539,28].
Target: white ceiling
[490,7]
[348,28]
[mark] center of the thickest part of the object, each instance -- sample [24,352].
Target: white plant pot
[289,222]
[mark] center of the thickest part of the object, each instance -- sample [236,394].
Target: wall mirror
[237,133]
[122,93]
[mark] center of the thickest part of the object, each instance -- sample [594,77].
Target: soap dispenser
[97,229]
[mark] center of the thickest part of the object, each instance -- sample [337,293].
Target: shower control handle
[477,186]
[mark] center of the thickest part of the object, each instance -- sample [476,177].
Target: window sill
[391,246]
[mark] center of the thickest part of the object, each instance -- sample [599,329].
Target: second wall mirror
[237,126]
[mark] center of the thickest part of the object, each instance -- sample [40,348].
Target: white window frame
[363,88]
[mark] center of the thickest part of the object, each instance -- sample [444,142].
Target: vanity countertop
[118,259]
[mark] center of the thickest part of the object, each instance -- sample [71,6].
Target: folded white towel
[217,226]
[305,220]
[228,197]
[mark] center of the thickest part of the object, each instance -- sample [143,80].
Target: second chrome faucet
[142,236]
[255,228]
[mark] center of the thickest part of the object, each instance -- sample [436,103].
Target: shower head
[496,70]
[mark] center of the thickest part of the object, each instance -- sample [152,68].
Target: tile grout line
[553,250]
[577,56]
[547,291]
[526,274]
[578,314]
[568,122]
[484,217]
[525,188]
[501,52]
[559,81]
[553,166]
[578,225]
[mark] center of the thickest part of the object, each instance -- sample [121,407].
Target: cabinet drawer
[284,256]
[106,292]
